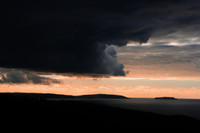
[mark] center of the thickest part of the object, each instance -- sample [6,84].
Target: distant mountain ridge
[58,96]
[106,96]
[166,98]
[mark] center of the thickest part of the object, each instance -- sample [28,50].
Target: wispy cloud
[161,61]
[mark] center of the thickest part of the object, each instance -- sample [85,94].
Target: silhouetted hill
[58,96]
[36,96]
[102,96]
[20,112]
[165,98]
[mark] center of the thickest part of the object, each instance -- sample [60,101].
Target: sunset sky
[135,48]
[152,71]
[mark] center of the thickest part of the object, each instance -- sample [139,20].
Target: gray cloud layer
[157,61]
[159,54]
[22,76]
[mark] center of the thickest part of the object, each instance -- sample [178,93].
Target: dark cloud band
[73,35]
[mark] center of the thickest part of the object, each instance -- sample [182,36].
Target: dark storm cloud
[74,35]
[22,76]
[110,62]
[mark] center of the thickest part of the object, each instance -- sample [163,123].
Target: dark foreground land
[22,112]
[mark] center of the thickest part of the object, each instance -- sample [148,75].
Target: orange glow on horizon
[89,86]
[139,83]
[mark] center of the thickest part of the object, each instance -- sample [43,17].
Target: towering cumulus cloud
[75,35]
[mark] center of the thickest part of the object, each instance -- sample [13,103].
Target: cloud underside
[74,35]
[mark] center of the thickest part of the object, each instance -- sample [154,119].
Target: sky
[137,48]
